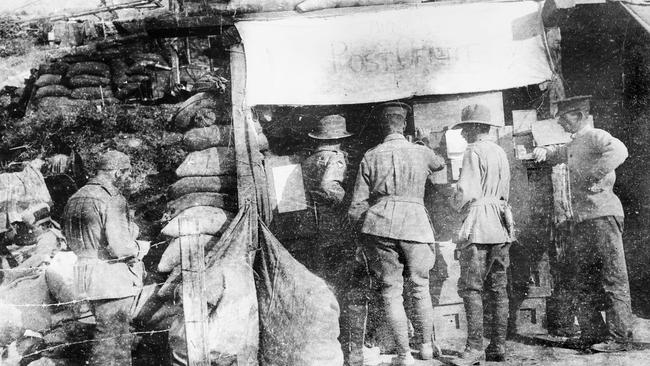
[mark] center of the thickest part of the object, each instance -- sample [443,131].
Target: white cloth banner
[370,56]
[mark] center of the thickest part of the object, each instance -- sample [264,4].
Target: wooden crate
[449,323]
[531,316]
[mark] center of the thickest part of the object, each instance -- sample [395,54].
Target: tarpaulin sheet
[362,56]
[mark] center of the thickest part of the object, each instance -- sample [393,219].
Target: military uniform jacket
[591,157]
[325,175]
[389,190]
[482,194]
[99,230]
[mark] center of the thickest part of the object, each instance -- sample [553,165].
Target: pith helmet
[475,113]
[331,127]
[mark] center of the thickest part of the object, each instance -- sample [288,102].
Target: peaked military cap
[577,103]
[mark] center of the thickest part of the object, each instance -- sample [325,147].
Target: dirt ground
[529,352]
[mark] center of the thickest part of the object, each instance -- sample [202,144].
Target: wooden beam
[242,116]
[195,305]
[172,25]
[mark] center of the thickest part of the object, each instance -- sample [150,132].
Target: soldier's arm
[468,187]
[119,231]
[361,194]
[331,185]
[612,153]
[436,162]
[553,154]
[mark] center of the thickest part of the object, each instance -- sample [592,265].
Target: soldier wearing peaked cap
[388,205]
[109,270]
[596,239]
[484,238]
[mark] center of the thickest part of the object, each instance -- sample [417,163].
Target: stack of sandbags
[203,200]
[63,85]
[90,80]
[49,82]
[142,77]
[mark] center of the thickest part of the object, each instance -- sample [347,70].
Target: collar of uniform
[326,148]
[106,184]
[394,136]
[582,131]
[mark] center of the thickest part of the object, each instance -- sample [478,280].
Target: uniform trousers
[390,262]
[483,267]
[602,281]
[112,345]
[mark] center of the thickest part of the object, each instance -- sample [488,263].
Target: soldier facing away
[388,205]
[484,238]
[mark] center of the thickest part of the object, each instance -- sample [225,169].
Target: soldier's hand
[540,154]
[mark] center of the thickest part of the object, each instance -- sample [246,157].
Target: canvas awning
[361,55]
[639,12]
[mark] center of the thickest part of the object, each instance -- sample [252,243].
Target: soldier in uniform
[109,270]
[596,244]
[388,204]
[484,238]
[333,255]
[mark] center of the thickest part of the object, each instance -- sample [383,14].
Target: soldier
[109,269]
[484,238]
[596,244]
[388,204]
[333,258]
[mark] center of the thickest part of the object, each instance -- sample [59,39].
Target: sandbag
[198,220]
[184,202]
[138,78]
[208,162]
[171,257]
[20,190]
[233,325]
[149,56]
[205,137]
[186,116]
[52,91]
[106,101]
[48,79]
[91,92]
[33,291]
[58,68]
[298,312]
[89,68]
[81,81]
[60,277]
[187,185]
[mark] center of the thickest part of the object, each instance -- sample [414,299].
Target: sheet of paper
[522,120]
[289,188]
[549,132]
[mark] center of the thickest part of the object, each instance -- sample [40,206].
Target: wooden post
[195,305]
[241,114]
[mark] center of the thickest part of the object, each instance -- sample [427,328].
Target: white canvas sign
[370,56]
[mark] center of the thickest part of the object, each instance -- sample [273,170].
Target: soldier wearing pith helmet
[596,239]
[483,241]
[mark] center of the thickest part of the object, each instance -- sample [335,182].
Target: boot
[403,359]
[496,351]
[356,326]
[470,356]
[474,311]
